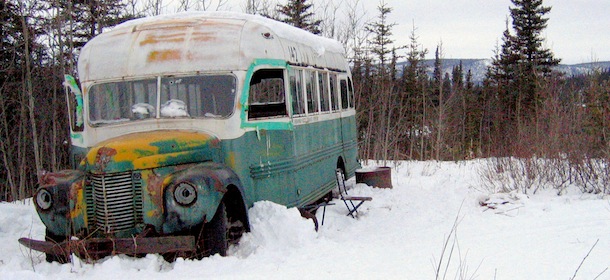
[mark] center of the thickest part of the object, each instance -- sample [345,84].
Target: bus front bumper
[97,248]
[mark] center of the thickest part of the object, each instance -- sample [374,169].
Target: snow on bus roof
[283,30]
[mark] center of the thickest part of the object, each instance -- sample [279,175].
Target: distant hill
[583,68]
[478,67]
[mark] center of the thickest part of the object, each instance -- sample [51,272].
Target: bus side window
[296,91]
[333,92]
[267,94]
[344,94]
[312,92]
[350,94]
[323,86]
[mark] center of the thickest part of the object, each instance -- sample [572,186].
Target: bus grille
[114,201]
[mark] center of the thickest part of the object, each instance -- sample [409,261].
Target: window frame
[273,109]
[153,86]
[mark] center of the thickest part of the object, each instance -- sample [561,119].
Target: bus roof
[201,42]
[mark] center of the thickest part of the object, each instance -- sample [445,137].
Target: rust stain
[225,24]
[76,189]
[163,55]
[171,24]
[204,36]
[104,156]
[218,186]
[48,179]
[154,185]
[155,39]
[153,213]
[77,195]
[214,143]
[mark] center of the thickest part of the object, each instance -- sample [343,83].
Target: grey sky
[577,32]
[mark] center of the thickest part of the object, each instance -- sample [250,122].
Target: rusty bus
[183,122]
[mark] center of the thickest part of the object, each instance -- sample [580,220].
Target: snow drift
[400,234]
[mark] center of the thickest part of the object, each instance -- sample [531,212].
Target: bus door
[270,146]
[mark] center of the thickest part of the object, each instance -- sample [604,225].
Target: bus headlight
[185,194]
[44,199]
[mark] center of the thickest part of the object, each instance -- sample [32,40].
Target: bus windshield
[204,96]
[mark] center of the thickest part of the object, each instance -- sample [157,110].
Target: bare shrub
[592,175]
[451,248]
[529,175]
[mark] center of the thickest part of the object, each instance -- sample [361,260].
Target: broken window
[333,92]
[344,94]
[324,95]
[267,95]
[312,92]
[296,91]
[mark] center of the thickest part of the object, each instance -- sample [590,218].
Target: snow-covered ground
[400,234]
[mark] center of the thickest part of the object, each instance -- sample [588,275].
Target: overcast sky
[578,30]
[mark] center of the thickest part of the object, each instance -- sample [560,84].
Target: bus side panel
[350,144]
[263,160]
[293,168]
[318,146]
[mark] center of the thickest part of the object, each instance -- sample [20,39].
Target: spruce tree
[528,24]
[522,61]
[381,119]
[381,32]
[297,13]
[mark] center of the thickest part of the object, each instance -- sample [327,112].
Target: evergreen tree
[12,57]
[457,77]
[381,32]
[528,24]
[521,63]
[297,13]
[414,96]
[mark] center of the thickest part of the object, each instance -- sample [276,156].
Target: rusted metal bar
[45,246]
[96,248]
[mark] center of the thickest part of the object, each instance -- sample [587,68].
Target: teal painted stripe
[270,169]
[312,197]
[348,145]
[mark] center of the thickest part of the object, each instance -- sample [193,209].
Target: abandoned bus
[184,122]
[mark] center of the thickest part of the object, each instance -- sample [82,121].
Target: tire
[49,236]
[215,233]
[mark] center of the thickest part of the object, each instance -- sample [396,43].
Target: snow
[174,108]
[144,110]
[400,234]
[283,30]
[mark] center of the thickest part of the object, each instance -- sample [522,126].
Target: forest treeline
[523,108]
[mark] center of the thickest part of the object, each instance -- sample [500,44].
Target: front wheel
[215,233]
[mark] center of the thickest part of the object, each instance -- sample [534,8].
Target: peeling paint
[154,186]
[103,156]
[153,213]
[164,55]
[48,179]
[78,197]
[151,150]
[155,39]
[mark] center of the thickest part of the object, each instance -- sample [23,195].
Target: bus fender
[193,195]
